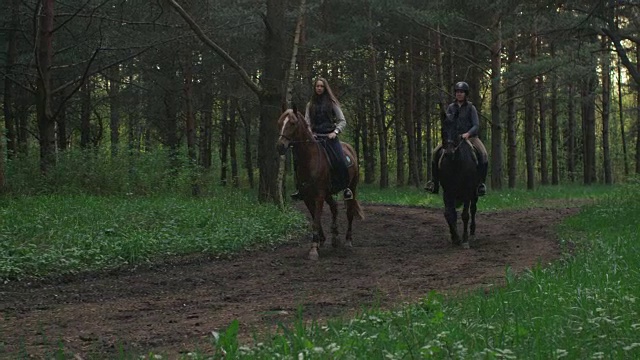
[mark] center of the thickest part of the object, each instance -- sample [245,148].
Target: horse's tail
[355,209]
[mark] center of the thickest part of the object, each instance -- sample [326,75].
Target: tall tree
[512,142]
[496,121]
[530,121]
[44,54]
[270,92]
[571,147]
[542,107]
[553,124]
[606,110]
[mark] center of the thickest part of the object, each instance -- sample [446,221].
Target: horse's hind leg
[472,226]
[465,225]
[333,205]
[351,209]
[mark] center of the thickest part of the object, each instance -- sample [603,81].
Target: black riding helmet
[461,85]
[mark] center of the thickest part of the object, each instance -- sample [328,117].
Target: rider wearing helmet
[465,115]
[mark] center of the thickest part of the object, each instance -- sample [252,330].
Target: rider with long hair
[326,120]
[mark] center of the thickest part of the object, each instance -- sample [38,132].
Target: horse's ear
[295,108]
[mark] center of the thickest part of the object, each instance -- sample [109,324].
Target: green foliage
[53,234]
[98,173]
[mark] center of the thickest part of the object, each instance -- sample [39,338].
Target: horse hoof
[465,245]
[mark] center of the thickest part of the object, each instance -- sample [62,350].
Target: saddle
[476,154]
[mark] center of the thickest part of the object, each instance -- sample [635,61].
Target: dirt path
[399,255]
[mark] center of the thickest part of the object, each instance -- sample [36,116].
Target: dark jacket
[465,117]
[325,117]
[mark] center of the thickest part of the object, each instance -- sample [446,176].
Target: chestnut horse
[314,176]
[459,178]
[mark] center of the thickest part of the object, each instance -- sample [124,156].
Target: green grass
[583,307]
[44,235]
[518,198]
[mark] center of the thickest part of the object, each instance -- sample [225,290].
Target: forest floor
[399,254]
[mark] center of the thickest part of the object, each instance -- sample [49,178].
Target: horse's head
[450,137]
[291,124]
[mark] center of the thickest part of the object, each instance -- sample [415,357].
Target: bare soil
[399,254]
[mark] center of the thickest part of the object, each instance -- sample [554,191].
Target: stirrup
[348,194]
[482,189]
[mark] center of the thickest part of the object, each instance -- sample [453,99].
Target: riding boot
[433,185]
[348,194]
[482,171]
[296,195]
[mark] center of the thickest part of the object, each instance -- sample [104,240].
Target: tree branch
[216,48]
[622,53]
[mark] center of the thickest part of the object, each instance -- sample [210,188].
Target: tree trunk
[378,119]
[271,100]
[113,90]
[85,116]
[190,126]
[621,116]
[544,167]
[512,163]
[294,53]
[530,122]
[606,111]
[571,134]
[369,141]
[224,140]
[442,93]
[206,134]
[62,141]
[233,156]
[411,124]
[398,114]
[587,92]
[44,54]
[248,164]
[553,124]
[496,121]
[9,114]
[171,125]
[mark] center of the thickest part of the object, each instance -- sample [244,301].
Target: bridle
[292,141]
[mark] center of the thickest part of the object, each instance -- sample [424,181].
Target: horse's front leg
[465,225]
[452,217]
[333,205]
[315,208]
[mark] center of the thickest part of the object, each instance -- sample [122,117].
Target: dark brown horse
[313,173]
[459,178]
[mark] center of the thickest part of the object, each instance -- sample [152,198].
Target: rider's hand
[332,135]
[466,136]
